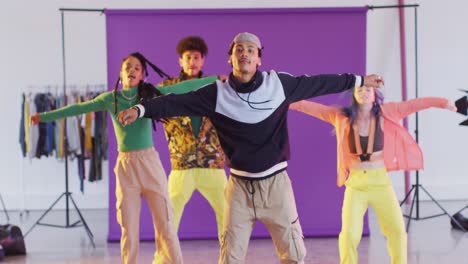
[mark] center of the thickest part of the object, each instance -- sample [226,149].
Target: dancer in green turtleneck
[138,168]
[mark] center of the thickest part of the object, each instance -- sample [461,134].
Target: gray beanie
[246,36]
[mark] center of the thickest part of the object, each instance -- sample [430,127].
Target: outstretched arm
[186,86]
[304,87]
[320,111]
[197,103]
[403,109]
[95,105]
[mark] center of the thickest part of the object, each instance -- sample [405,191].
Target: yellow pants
[140,173]
[371,187]
[209,182]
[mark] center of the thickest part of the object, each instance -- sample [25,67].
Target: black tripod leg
[441,208]
[410,216]
[44,214]
[4,208]
[407,196]
[88,231]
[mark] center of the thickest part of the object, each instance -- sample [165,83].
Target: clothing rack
[54,90]
[67,195]
[72,90]
[417,186]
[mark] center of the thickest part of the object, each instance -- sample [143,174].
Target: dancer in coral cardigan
[371,141]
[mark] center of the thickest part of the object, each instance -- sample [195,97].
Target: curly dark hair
[192,43]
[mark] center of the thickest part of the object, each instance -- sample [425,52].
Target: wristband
[137,109]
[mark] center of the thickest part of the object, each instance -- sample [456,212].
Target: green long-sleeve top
[180,88]
[166,89]
[135,136]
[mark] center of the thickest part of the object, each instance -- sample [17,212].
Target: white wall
[30,47]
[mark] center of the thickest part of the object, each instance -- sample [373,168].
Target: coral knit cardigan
[401,152]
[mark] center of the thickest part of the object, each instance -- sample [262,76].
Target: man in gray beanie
[249,112]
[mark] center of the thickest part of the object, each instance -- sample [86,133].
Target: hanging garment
[22,132]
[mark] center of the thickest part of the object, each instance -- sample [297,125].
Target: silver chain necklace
[126,97]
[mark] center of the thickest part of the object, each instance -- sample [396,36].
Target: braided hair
[146,91]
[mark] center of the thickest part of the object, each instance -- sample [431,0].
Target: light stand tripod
[416,187]
[415,200]
[67,195]
[462,108]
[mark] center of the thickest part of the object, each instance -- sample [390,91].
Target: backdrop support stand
[67,195]
[417,186]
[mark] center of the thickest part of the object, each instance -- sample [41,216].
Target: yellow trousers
[140,173]
[209,182]
[366,188]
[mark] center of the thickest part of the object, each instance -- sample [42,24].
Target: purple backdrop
[298,41]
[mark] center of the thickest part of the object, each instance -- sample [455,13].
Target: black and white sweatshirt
[251,118]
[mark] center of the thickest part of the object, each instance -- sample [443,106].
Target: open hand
[374,80]
[128,116]
[451,106]
[34,119]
